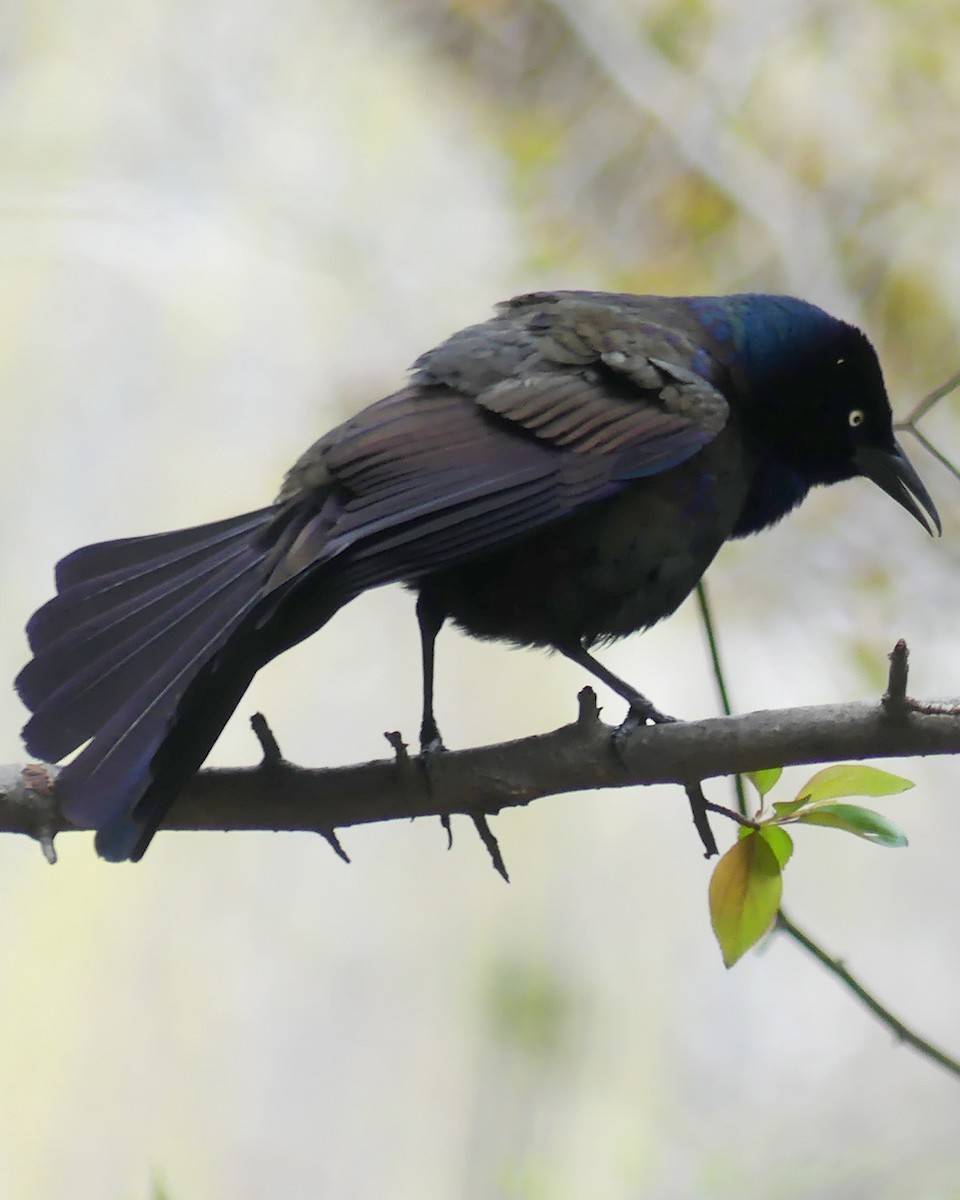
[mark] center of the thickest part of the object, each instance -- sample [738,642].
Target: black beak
[892,471]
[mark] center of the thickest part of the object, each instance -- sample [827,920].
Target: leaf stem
[730,814]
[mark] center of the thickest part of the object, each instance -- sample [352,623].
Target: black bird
[558,476]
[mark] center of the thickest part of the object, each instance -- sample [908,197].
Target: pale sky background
[223,227]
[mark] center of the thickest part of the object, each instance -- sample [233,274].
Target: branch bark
[278,795]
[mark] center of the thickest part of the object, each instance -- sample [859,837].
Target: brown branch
[278,795]
[576,757]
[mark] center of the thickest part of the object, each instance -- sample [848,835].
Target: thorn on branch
[448,827]
[269,745]
[40,786]
[399,747]
[491,843]
[588,711]
[894,699]
[698,808]
[45,838]
[330,837]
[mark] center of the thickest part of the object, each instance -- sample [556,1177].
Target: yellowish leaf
[745,892]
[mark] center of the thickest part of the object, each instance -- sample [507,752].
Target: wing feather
[433,476]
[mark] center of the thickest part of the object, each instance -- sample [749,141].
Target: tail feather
[111,663]
[95,580]
[95,637]
[139,671]
[115,783]
[123,555]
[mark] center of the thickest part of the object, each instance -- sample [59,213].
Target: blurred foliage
[225,225]
[690,145]
[530,1011]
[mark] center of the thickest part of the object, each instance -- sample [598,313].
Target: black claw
[429,753]
[430,750]
[639,714]
[643,711]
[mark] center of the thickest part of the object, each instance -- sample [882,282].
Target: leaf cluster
[747,884]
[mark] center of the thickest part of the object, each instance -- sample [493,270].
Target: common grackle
[558,476]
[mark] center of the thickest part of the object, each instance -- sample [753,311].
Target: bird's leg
[430,619]
[641,709]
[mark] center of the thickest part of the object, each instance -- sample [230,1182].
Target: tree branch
[277,795]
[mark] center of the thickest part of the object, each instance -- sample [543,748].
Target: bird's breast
[610,569]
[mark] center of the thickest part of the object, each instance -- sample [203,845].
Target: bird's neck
[758,338]
[775,490]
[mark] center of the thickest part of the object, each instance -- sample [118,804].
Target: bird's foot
[431,747]
[640,713]
[430,740]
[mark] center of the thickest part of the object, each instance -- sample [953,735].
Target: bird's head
[815,395]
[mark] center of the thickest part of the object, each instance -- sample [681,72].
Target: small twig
[902,1032]
[931,449]
[268,743]
[732,815]
[491,843]
[895,697]
[933,710]
[923,406]
[699,808]
[399,747]
[706,616]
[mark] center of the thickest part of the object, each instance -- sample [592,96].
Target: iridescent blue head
[813,391]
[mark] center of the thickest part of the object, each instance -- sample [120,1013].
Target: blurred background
[224,227]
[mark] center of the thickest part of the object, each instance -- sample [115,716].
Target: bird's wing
[506,428]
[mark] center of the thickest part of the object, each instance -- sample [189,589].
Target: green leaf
[779,841]
[850,779]
[863,822]
[786,808]
[745,892]
[764,780]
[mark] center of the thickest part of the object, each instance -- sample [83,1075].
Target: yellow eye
[856,417]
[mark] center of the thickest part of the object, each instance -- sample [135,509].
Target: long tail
[127,654]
